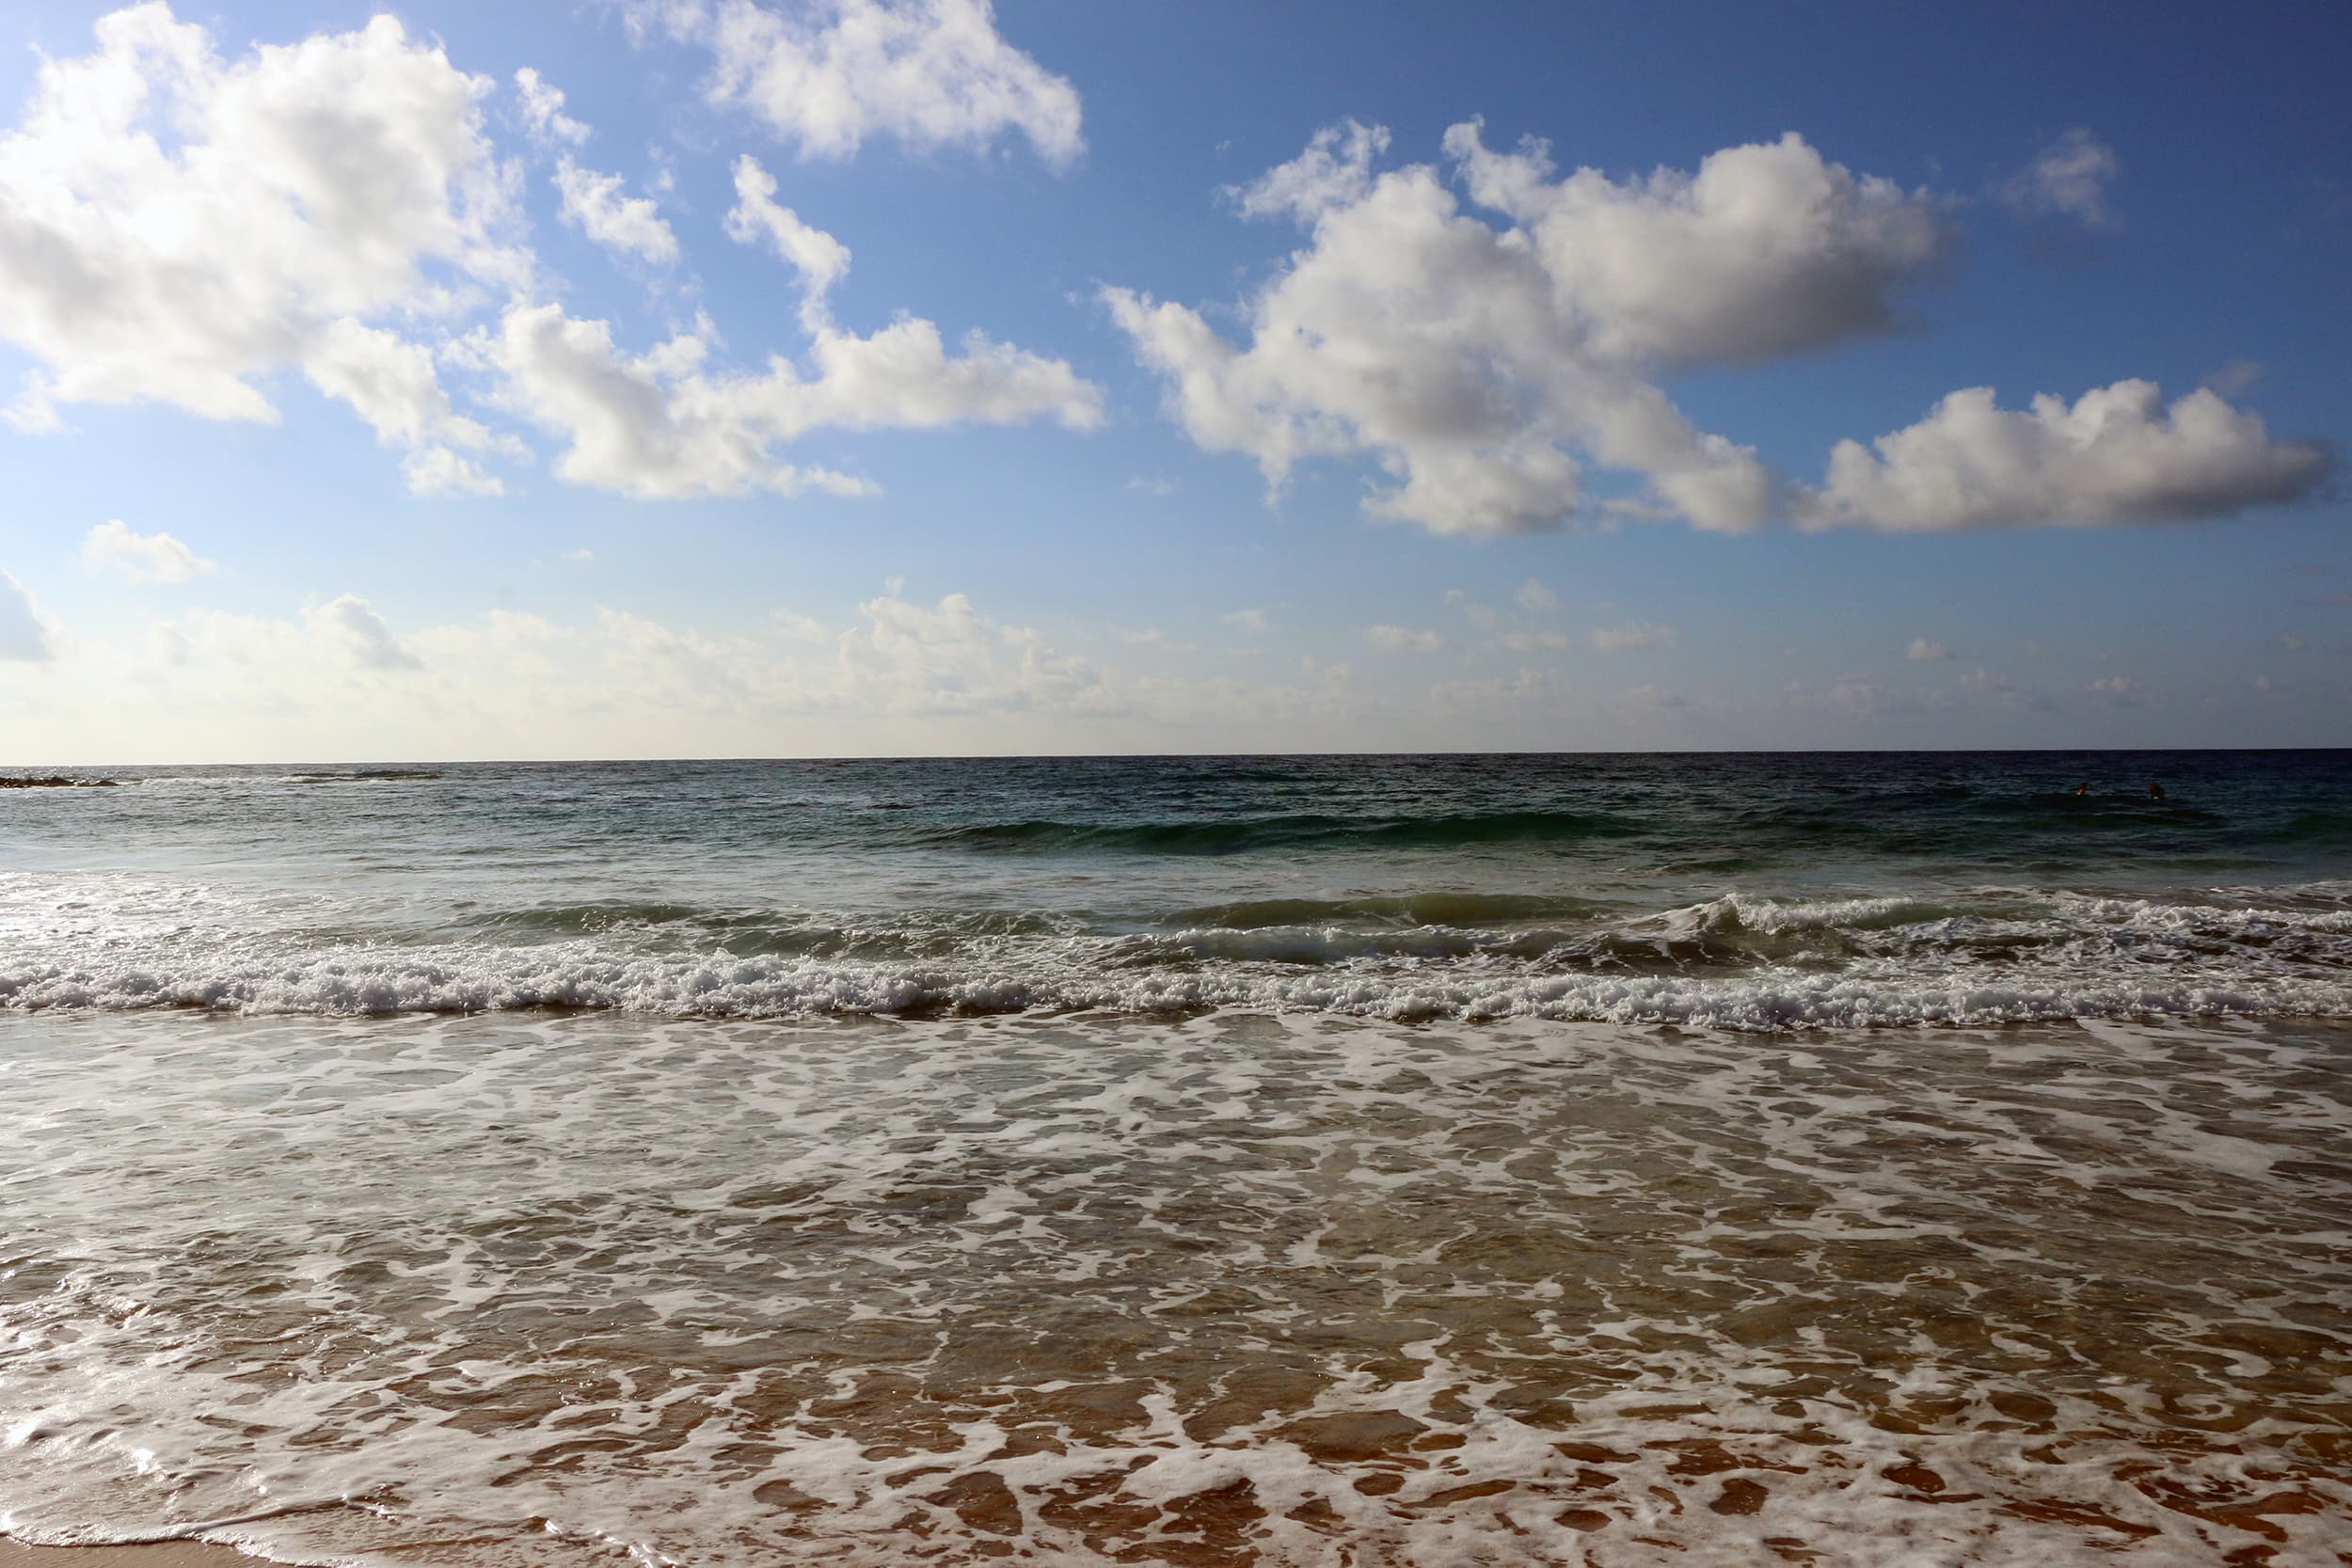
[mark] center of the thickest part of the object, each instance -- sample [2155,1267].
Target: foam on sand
[1306,1290]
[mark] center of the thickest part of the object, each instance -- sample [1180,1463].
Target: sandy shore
[171,1554]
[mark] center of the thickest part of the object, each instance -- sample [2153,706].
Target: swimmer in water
[2081,790]
[2155,792]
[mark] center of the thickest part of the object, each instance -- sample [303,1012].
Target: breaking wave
[1732,963]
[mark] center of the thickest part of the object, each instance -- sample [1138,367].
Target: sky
[642,378]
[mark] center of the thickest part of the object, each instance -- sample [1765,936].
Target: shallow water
[1222,1289]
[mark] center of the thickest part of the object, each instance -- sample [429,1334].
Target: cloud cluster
[543,110]
[665,424]
[661,425]
[2116,454]
[628,224]
[1477,363]
[180,228]
[1482,364]
[1403,639]
[23,632]
[827,75]
[173,227]
[143,557]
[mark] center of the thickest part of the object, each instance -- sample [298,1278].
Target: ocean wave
[1242,835]
[111,942]
[1415,909]
[1301,977]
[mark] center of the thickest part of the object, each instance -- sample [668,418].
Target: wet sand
[171,1554]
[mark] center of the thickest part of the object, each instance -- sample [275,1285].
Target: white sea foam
[124,943]
[1305,1291]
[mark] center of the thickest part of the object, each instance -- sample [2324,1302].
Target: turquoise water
[1438,1162]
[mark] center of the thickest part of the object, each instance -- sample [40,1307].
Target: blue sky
[1312,408]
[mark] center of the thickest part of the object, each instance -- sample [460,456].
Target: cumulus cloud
[1537,599]
[23,630]
[1766,249]
[661,424]
[2068,178]
[543,110]
[1479,364]
[1618,640]
[1483,363]
[1927,652]
[1247,620]
[817,256]
[391,384]
[665,424]
[950,657]
[1403,639]
[2116,454]
[630,224]
[336,181]
[829,73]
[348,625]
[1334,171]
[145,558]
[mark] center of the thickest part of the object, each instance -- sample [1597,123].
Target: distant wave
[365,775]
[1239,835]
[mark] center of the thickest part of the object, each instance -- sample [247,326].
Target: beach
[361,1258]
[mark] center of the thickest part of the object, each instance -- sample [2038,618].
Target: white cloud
[1482,365]
[1537,599]
[2068,178]
[23,630]
[1334,171]
[342,178]
[2117,455]
[1534,641]
[1617,640]
[146,557]
[1925,651]
[391,384]
[582,557]
[543,110]
[630,225]
[1247,620]
[829,73]
[2118,691]
[1766,249]
[1475,363]
[661,425]
[348,625]
[1403,639]
[819,259]
[33,411]
[950,657]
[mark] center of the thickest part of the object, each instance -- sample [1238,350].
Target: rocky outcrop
[55,781]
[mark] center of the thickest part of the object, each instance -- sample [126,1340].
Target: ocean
[1339,1162]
